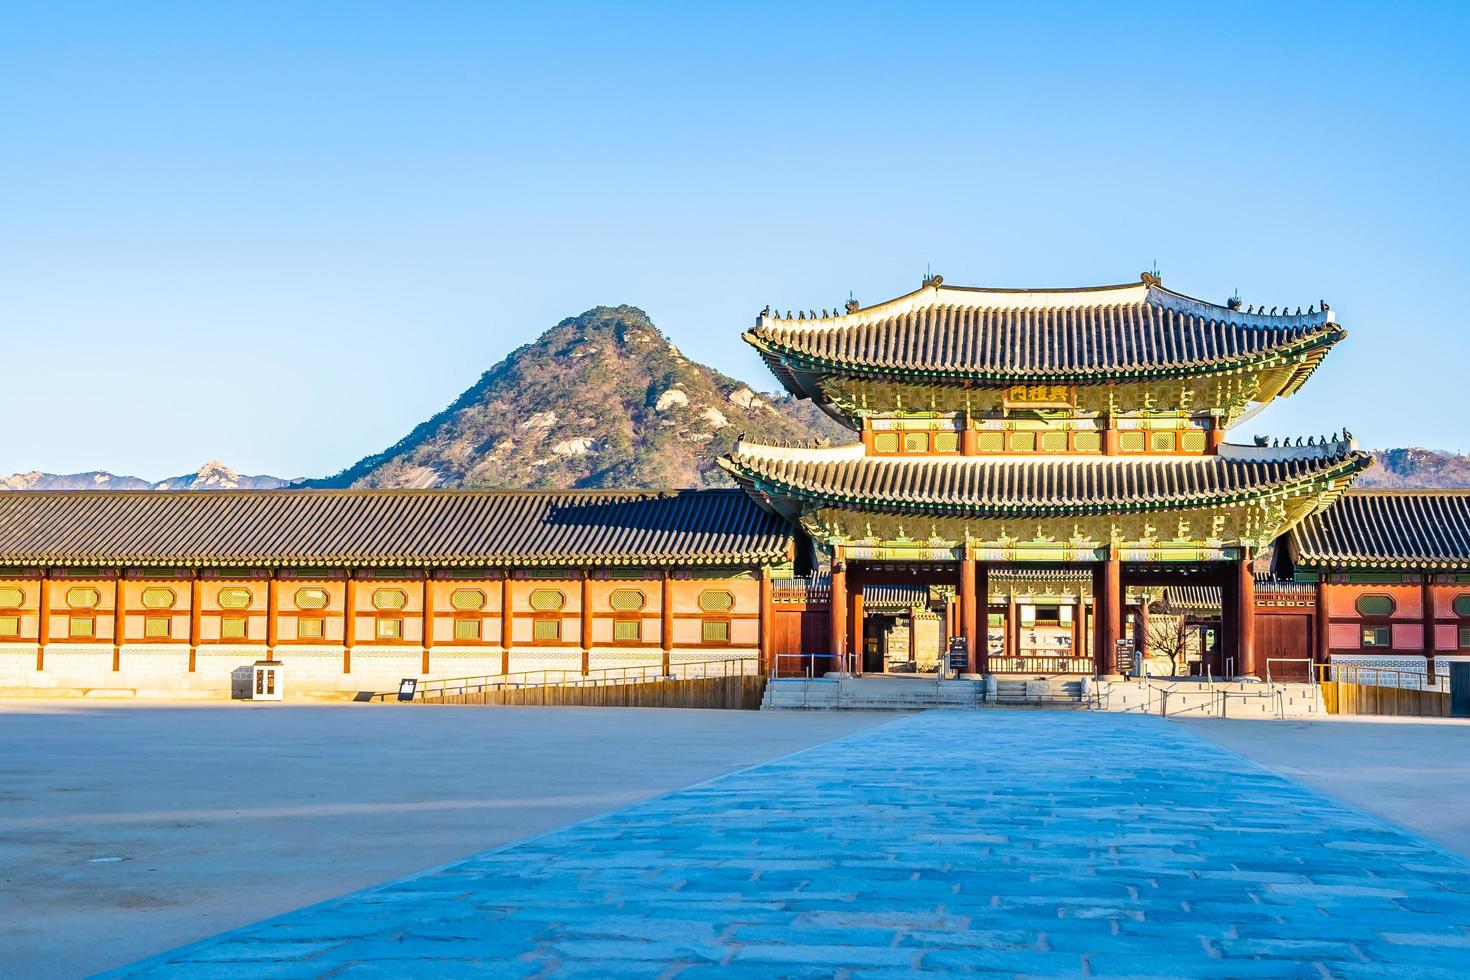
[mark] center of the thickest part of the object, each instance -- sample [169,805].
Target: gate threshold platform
[904,692]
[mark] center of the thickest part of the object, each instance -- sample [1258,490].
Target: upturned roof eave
[771,486]
[790,362]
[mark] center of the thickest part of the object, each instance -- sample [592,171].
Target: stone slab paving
[1018,843]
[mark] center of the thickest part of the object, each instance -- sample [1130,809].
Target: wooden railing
[457,687]
[1350,689]
[1041,665]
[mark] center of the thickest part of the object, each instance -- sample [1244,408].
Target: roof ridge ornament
[1151,278]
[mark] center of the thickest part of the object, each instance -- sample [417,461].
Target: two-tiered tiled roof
[1388,530]
[1012,486]
[403,528]
[961,335]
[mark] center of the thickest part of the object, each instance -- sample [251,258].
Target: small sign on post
[407,688]
[959,654]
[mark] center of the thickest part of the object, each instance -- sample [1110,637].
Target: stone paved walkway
[1038,843]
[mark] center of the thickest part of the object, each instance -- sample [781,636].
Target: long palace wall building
[1036,472]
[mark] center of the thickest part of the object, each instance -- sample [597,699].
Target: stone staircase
[909,693]
[1041,693]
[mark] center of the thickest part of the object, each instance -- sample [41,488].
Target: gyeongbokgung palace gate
[1034,474]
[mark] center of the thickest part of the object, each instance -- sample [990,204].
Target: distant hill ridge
[213,475]
[604,400]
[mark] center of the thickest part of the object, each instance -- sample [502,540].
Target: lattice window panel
[467,600]
[311,598]
[82,598]
[1461,604]
[1374,604]
[311,628]
[1192,441]
[547,600]
[1131,442]
[390,629]
[1086,442]
[1053,442]
[1023,442]
[627,630]
[627,600]
[390,599]
[885,442]
[79,627]
[992,442]
[235,598]
[716,631]
[1162,442]
[159,598]
[466,629]
[233,628]
[10,598]
[946,442]
[546,629]
[9,625]
[916,442]
[716,600]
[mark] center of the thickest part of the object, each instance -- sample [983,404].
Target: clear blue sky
[281,234]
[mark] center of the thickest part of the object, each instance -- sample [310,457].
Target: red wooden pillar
[666,621]
[1110,615]
[119,619]
[1216,436]
[1079,626]
[1245,619]
[978,643]
[1323,652]
[969,608]
[1427,601]
[767,622]
[857,628]
[839,613]
[1010,628]
[1109,436]
[586,621]
[1013,627]
[349,622]
[1141,642]
[196,600]
[43,619]
[428,616]
[507,620]
[272,608]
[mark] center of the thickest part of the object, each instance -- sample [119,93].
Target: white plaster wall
[376,669]
[449,662]
[83,666]
[18,665]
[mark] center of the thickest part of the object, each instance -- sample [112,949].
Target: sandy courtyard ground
[128,830]
[1413,771]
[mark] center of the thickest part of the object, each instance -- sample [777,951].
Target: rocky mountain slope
[213,475]
[600,400]
[1416,468]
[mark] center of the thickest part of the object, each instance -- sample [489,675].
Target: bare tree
[1168,636]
